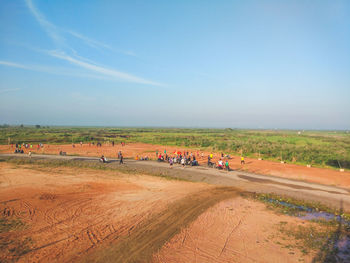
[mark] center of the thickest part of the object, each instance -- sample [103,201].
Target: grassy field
[320,148]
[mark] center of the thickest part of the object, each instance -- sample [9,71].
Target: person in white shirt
[221,164]
[183,162]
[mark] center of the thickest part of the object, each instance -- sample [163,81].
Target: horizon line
[169,127]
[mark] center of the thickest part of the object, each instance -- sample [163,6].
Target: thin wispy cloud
[55,33]
[12,64]
[129,53]
[99,45]
[49,28]
[103,70]
[88,41]
[8,90]
[50,70]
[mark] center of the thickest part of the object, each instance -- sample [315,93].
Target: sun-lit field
[58,210]
[317,148]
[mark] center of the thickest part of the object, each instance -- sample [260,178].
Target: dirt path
[326,194]
[289,171]
[140,245]
[234,230]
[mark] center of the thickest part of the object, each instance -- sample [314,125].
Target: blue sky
[238,64]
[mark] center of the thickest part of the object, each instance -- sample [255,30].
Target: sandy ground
[314,175]
[234,230]
[70,212]
[107,216]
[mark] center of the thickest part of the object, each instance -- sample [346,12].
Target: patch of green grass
[319,236]
[10,224]
[12,247]
[320,239]
[308,238]
[273,201]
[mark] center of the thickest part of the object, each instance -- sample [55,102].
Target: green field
[319,148]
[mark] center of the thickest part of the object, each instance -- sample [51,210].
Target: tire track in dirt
[227,239]
[150,236]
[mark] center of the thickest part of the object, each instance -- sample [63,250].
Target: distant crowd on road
[19,148]
[184,158]
[188,158]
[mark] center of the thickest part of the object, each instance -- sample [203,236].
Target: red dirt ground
[70,214]
[244,232]
[315,175]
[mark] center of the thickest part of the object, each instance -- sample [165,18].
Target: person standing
[183,162]
[121,159]
[227,166]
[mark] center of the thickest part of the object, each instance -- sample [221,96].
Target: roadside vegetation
[317,148]
[329,240]
[295,207]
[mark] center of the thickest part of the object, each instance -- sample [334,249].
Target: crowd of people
[19,147]
[17,150]
[221,164]
[184,158]
[142,158]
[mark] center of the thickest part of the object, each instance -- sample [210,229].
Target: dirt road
[289,171]
[326,194]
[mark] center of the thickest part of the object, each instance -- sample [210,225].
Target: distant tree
[21,126]
[37,126]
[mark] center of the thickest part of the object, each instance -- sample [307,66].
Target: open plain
[58,210]
[71,207]
[69,215]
